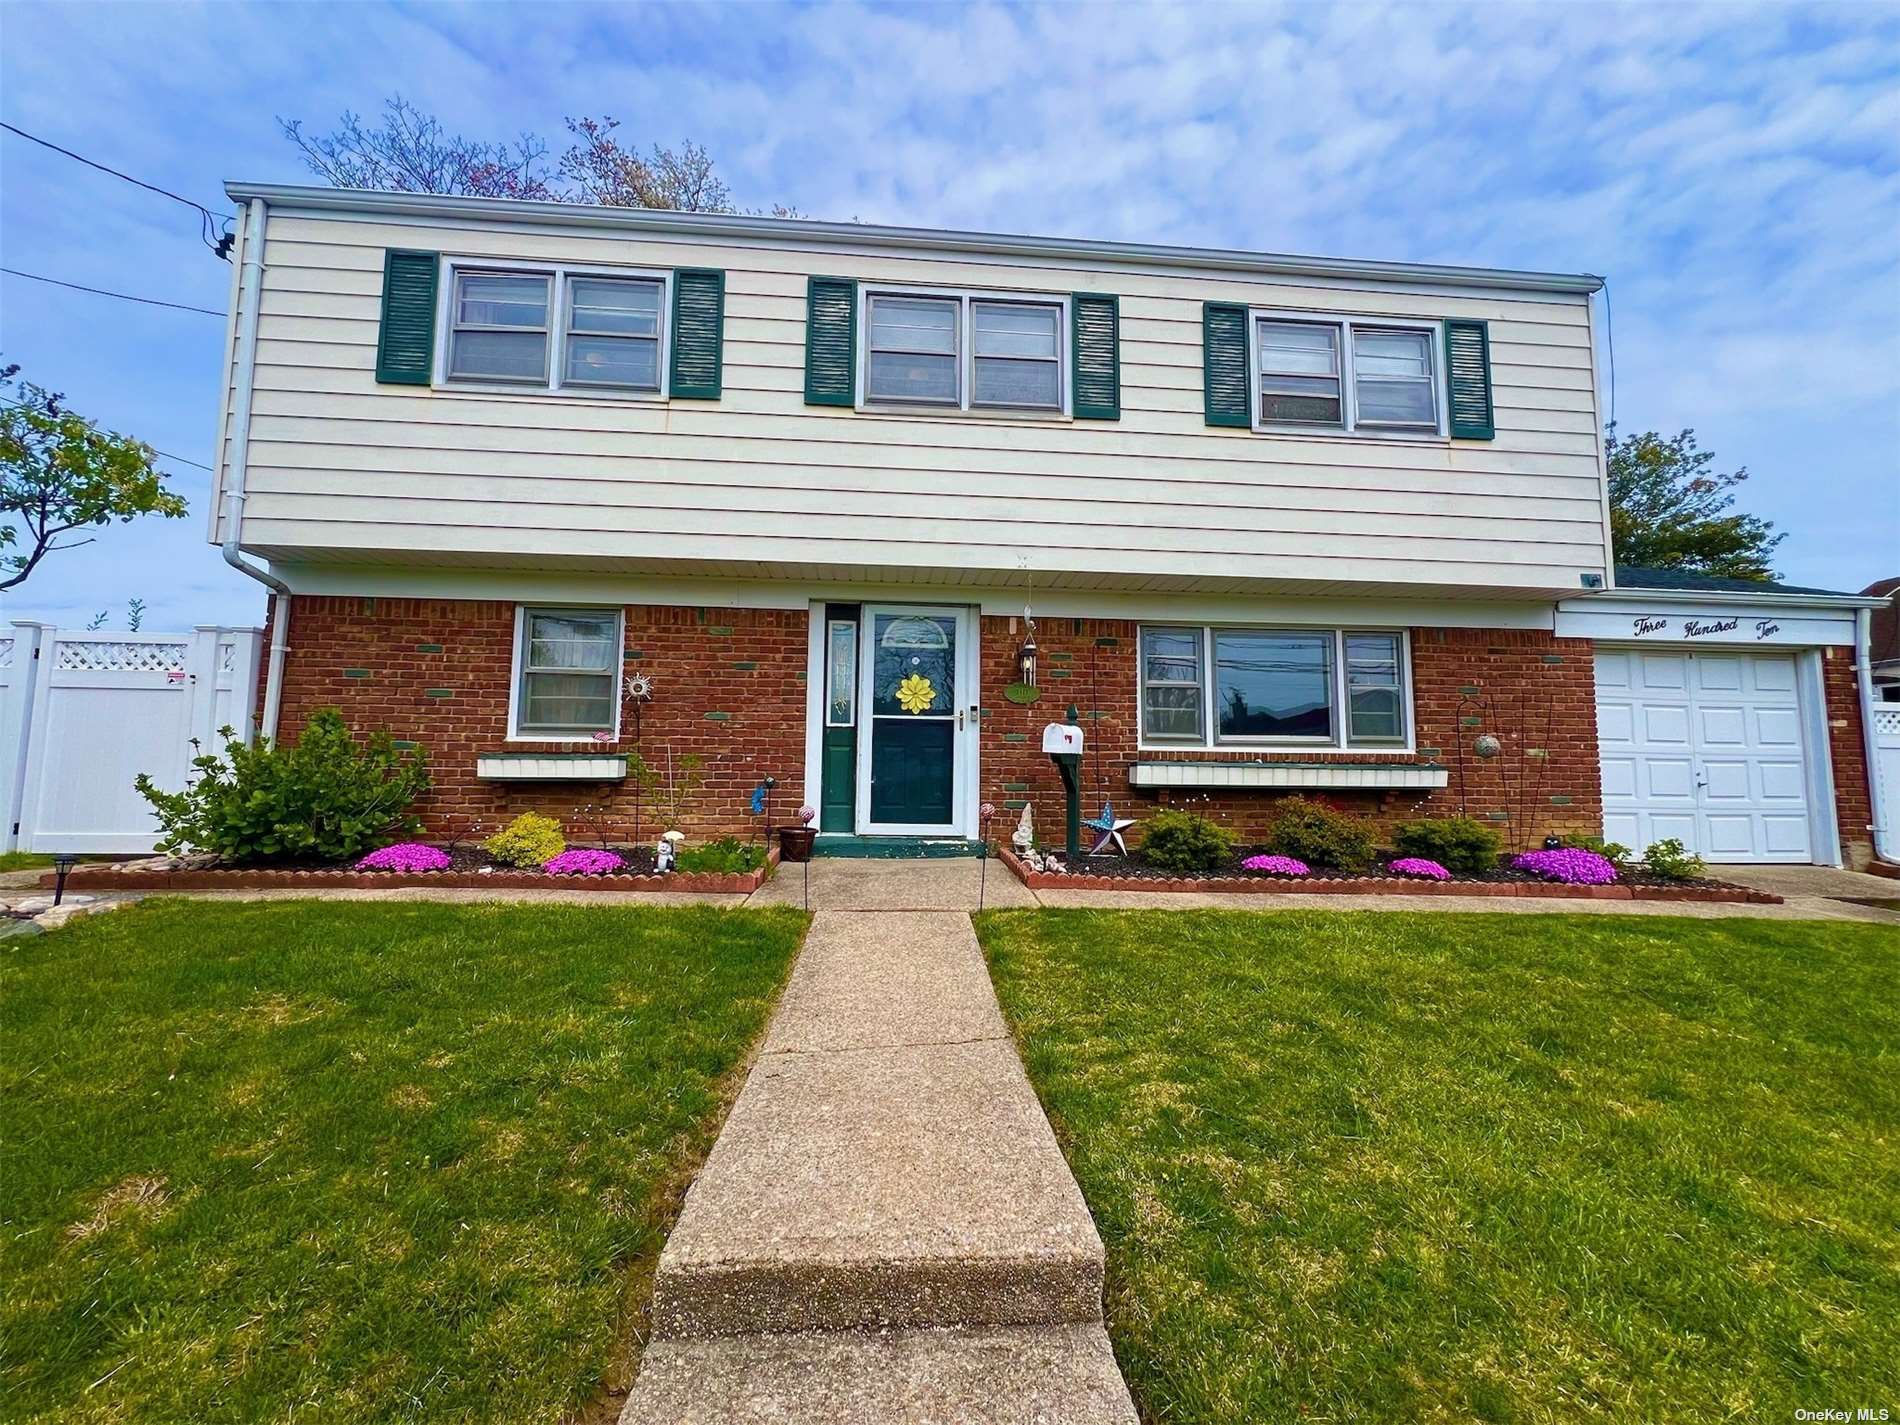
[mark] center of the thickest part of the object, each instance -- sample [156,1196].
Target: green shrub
[1670,860]
[1184,844]
[530,840]
[1463,845]
[1319,836]
[325,798]
[1614,851]
[728,853]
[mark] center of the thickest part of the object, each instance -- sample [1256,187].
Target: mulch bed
[1131,873]
[471,869]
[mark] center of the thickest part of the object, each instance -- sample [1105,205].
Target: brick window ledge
[1290,776]
[550,766]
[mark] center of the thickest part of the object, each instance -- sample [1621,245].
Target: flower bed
[465,868]
[1115,873]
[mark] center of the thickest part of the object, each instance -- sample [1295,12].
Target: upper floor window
[1318,688]
[557,328]
[965,351]
[1354,375]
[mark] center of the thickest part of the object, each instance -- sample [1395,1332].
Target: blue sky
[1735,171]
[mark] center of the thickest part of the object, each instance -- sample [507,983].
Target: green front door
[911,682]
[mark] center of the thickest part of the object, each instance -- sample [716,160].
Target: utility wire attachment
[214,231]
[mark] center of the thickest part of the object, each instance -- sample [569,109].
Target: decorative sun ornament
[639,686]
[915,694]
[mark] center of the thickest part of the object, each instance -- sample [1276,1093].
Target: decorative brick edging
[105,878]
[1884,868]
[1380,886]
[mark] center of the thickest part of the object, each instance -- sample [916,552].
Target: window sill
[1382,437]
[550,767]
[983,413]
[1344,776]
[607,395]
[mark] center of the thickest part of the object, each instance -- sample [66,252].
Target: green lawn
[354,1162]
[1382,1167]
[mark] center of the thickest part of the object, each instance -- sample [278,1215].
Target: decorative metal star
[1111,827]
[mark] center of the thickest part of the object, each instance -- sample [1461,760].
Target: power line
[219,242]
[101,292]
[35,406]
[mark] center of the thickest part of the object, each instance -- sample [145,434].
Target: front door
[916,685]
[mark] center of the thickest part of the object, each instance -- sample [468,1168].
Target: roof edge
[728,225]
[1637,592]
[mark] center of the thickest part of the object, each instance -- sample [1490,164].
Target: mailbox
[1062,737]
[1063,742]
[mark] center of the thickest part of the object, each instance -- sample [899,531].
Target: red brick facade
[729,688]
[1847,748]
[1535,692]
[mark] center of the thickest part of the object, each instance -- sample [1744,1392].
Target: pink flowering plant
[584,861]
[407,856]
[1418,866]
[1276,865]
[1569,866]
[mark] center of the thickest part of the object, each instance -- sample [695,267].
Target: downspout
[244,378]
[1883,829]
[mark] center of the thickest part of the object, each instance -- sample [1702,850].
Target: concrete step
[887,1165]
[1021,1375]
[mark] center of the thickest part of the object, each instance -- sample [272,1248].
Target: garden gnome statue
[1024,836]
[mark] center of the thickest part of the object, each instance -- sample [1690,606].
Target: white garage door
[1706,748]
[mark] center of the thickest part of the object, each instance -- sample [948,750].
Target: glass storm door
[912,683]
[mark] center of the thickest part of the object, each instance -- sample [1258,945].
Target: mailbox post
[1063,742]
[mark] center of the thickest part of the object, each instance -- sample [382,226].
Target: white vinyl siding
[342,470]
[1321,689]
[567,682]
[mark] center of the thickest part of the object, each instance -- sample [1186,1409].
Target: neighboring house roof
[859,236]
[1631,576]
[1884,634]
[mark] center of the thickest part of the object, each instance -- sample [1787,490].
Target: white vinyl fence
[83,712]
[1886,774]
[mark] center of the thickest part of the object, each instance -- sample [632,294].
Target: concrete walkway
[885,1230]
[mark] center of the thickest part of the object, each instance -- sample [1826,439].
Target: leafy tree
[1669,510]
[60,473]
[410,152]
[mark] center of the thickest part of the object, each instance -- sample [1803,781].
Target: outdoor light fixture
[1026,655]
[62,863]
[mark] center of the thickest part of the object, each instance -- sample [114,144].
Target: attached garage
[1706,747]
[1714,701]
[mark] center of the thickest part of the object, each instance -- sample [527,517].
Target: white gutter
[1884,831]
[377,203]
[244,376]
[1766,595]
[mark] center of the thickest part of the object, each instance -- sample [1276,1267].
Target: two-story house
[860,509]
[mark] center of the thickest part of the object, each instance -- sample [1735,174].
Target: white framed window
[1373,376]
[562,329]
[1004,353]
[567,674]
[1318,689]
[498,329]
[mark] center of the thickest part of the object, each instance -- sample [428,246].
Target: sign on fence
[83,712]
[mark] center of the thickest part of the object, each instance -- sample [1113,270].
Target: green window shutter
[1224,364]
[699,322]
[1096,320]
[1468,380]
[831,341]
[405,347]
